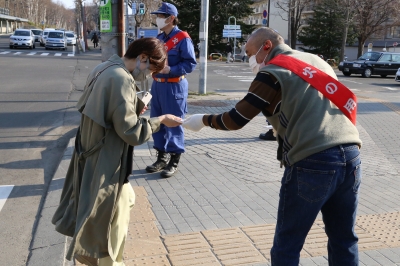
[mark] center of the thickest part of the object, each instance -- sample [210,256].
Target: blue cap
[167,8]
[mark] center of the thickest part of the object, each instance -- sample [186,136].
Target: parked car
[56,39]
[44,36]
[37,33]
[71,38]
[397,77]
[22,38]
[372,63]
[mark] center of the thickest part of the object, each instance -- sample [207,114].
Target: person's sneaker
[87,260]
[269,135]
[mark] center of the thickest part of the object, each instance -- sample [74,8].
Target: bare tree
[374,17]
[146,19]
[291,11]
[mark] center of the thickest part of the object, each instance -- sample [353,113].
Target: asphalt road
[37,118]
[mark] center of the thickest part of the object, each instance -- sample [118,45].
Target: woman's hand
[170,120]
[144,110]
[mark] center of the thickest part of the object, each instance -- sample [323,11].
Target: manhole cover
[209,103]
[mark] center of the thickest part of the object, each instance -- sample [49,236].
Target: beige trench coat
[95,176]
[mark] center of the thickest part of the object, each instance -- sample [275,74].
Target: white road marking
[239,77]
[4,193]
[18,53]
[5,52]
[389,88]
[32,53]
[354,89]
[44,54]
[57,54]
[246,80]
[71,55]
[351,81]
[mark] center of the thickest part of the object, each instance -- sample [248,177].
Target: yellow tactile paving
[160,260]
[144,248]
[182,242]
[245,245]
[231,236]
[194,257]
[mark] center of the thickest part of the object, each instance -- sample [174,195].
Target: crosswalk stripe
[4,52]
[4,193]
[18,53]
[71,54]
[45,54]
[58,54]
[32,53]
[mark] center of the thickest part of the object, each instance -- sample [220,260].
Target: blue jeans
[327,181]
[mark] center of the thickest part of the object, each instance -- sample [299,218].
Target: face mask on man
[255,67]
[137,73]
[161,22]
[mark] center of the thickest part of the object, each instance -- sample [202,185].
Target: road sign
[395,44]
[231,27]
[265,13]
[231,33]
[105,16]
[264,21]
[134,11]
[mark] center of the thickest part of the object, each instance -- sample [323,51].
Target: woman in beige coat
[97,196]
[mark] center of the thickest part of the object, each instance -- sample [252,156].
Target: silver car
[71,38]
[22,38]
[56,39]
[37,33]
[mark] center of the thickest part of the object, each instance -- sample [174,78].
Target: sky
[68,3]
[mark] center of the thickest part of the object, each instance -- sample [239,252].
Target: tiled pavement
[220,208]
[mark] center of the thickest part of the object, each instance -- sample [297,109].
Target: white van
[44,36]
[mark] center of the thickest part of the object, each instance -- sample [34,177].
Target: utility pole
[203,36]
[112,28]
[83,15]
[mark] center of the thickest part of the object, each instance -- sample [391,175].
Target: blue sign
[134,11]
[264,22]
[231,33]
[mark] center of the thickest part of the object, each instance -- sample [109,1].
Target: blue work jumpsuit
[171,97]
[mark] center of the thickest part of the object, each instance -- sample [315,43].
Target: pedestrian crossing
[36,53]
[4,194]
[245,74]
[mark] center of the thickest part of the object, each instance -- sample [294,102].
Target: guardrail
[212,56]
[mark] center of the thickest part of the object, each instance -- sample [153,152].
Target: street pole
[121,28]
[83,15]
[234,40]
[113,42]
[269,10]
[126,24]
[203,36]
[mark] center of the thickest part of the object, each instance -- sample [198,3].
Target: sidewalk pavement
[221,207]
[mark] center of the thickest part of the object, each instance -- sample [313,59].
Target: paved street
[220,209]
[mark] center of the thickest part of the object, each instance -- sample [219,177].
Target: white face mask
[161,22]
[138,74]
[255,67]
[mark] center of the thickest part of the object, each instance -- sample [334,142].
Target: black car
[372,63]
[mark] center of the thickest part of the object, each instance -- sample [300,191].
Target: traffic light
[141,9]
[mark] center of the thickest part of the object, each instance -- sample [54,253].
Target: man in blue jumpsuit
[170,90]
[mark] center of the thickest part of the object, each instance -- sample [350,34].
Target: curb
[48,246]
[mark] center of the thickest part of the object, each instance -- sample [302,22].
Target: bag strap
[331,88]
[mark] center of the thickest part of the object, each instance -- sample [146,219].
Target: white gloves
[194,123]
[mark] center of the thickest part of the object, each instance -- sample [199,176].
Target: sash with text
[175,40]
[331,88]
